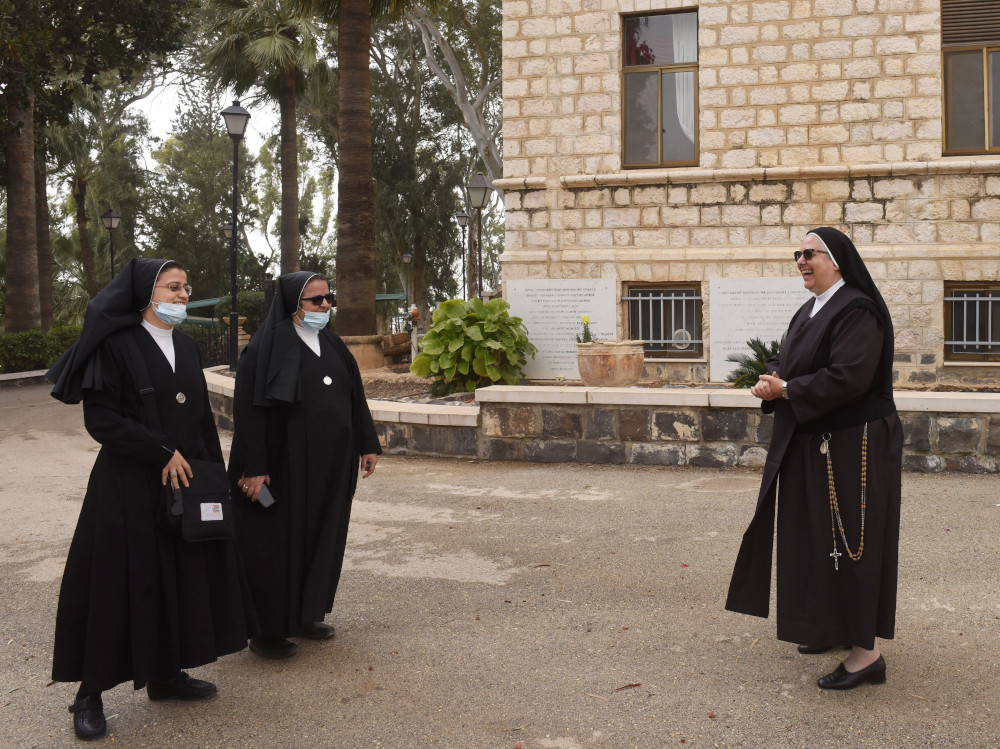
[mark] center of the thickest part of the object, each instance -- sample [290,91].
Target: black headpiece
[277,345]
[117,306]
[855,273]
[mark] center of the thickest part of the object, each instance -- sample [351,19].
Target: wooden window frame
[660,70]
[663,354]
[946,99]
[950,287]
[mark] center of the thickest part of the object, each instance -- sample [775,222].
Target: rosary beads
[836,522]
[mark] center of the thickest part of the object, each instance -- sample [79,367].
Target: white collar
[825,296]
[157,332]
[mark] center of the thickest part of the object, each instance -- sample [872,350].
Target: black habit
[137,602]
[303,420]
[835,371]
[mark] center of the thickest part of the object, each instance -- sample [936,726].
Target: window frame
[946,98]
[950,356]
[698,351]
[660,70]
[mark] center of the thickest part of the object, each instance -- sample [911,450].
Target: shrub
[252,307]
[754,364]
[472,344]
[29,350]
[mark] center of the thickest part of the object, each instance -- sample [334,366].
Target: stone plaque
[551,311]
[745,308]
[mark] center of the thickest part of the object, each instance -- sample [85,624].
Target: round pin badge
[327,380]
[181,397]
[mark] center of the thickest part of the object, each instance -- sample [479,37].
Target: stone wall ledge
[985,165]
[17,379]
[520,183]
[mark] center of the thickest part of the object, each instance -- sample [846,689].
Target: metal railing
[975,321]
[668,320]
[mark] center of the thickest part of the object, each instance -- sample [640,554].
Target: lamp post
[463,221]
[479,195]
[236,123]
[406,265]
[110,221]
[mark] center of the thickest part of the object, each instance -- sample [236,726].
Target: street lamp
[463,221]
[236,123]
[479,195]
[406,265]
[110,221]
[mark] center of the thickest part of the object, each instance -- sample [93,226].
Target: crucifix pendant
[836,558]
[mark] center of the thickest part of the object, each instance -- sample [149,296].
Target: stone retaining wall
[706,428]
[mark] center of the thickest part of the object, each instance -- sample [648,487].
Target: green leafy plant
[472,344]
[29,350]
[586,337]
[754,364]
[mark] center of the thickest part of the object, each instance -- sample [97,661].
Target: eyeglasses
[175,287]
[808,254]
[319,298]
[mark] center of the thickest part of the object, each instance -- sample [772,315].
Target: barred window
[660,70]
[972,321]
[667,318]
[970,39]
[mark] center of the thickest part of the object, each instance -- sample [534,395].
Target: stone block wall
[811,112]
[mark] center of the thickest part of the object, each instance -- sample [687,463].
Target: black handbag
[202,510]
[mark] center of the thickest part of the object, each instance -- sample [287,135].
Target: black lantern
[236,118]
[479,188]
[111,219]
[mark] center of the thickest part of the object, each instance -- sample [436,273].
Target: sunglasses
[319,299]
[808,254]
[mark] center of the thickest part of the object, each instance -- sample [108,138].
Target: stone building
[665,143]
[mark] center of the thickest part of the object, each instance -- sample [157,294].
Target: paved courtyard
[510,604]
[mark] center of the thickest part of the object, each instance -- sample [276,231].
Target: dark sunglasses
[318,299]
[808,254]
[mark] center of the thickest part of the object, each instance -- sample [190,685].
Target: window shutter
[970,22]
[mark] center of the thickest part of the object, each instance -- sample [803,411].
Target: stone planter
[610,363]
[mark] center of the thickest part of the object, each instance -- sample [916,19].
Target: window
[660,117]
[971,321]
[970,39]
[666,318]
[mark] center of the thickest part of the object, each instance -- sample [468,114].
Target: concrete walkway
[505,605]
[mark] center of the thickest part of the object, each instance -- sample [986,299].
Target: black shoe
[273,647]
[318,631]
[88,717]
[815,649]
[841,678]
[181,687]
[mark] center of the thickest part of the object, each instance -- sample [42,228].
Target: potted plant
[607,363]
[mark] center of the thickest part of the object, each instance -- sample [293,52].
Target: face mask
[315,321]
[171,314]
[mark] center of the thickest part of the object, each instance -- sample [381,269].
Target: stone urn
[610,363]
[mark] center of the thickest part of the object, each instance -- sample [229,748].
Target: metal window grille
[667,320]
[973,317]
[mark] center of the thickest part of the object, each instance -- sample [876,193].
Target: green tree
[192,187]
[270,45]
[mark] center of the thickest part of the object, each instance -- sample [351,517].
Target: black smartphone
[265,497]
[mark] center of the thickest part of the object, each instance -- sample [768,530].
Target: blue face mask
[315,321]
[171,314]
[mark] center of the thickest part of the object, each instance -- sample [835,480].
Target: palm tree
[270,44]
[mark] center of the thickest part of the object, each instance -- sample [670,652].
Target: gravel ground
[523,605]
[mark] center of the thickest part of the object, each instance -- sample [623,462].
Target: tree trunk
[86,254]
[43,240]
[290,239]
[355,191]
[22,309]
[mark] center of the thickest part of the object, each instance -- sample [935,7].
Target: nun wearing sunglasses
[302,428]
[833,470]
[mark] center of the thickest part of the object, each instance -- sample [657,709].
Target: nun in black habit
[301,424]
[833,468]
[137,602]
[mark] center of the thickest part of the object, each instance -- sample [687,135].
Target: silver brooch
[181,397]
[327,380]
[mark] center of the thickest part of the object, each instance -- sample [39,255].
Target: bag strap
[142,381]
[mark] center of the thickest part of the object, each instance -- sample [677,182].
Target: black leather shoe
[841,678]
[273,647]
[318,631]
[88,717]
[816,649]
[181,687]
